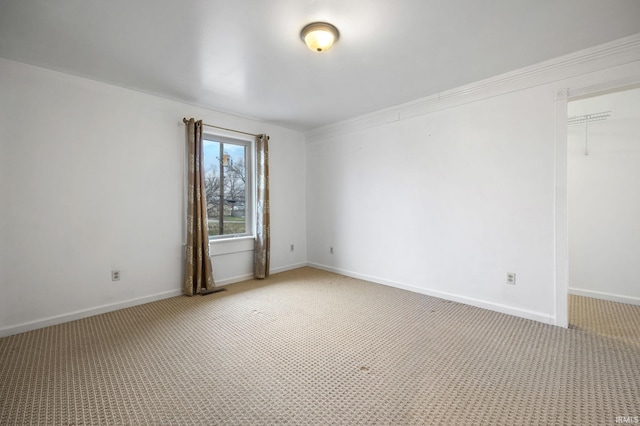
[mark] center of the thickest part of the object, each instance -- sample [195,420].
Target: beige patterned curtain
[261,263]
[198,275]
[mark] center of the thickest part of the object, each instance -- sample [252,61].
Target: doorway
[603,203]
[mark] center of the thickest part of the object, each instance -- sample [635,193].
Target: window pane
[226,188]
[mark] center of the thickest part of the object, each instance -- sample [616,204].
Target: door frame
[563,95]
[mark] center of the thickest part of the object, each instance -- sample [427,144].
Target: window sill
[222,246]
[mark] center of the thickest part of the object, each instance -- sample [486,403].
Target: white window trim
[249,186]
[220,247]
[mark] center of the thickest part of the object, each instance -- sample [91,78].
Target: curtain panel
[262,244]
[198,274]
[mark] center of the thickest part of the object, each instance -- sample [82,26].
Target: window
[228,164]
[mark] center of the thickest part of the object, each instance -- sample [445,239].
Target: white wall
[446,195]
[447,202]
[92,180]
[604,199]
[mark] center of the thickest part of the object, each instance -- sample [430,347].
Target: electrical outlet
[115,275]
[291,249]
[511,278]
[331,250]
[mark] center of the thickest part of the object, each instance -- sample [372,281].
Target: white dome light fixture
[319,36]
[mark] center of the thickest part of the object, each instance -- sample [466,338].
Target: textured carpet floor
[311,347]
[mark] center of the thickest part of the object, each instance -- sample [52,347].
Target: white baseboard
[288,267]
[522,313]
[245,277]
[233,280]
[605,296]
[84,313]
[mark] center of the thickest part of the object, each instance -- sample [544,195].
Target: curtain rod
[185,121]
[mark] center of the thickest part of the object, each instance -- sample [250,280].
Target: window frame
[250,195]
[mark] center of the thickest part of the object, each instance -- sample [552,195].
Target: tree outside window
[227,192]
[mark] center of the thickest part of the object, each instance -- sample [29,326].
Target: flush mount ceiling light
[319,36]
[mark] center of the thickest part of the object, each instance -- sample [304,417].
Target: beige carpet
[311,347]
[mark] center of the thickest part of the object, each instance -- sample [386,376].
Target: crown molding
[617,52]
[604,87]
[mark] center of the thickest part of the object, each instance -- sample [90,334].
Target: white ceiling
[246,56]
